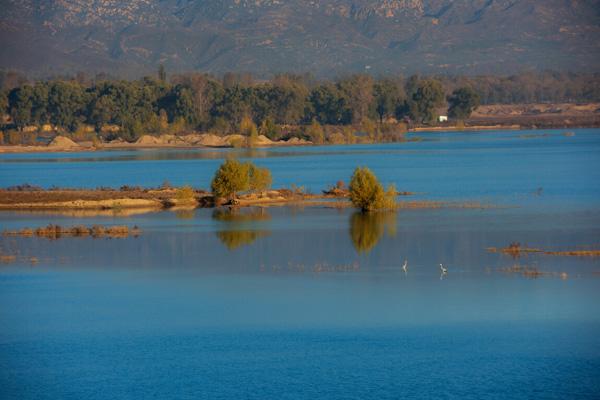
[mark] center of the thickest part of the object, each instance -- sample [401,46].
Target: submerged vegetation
[515,250]
[96,231]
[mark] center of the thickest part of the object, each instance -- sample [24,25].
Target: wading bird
[405,266]
[444,270]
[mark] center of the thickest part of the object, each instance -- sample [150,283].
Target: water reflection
[239,216]
[185,213]
[366,229]
[240,227]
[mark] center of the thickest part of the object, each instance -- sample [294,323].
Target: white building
[443,118]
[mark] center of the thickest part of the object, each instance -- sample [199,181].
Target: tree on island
[233,177]
[463,102]
[367,194]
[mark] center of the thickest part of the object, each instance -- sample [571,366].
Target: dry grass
[126,196]
[7,258]
[533,272]
[528,272]
[515,250]
[56,231]
[575,253]
[317,268]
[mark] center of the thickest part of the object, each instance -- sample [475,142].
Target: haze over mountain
[131,38]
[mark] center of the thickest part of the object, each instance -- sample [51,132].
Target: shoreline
[182,145]
[139,201]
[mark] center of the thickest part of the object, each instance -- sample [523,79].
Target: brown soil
[131,199]
[88,199]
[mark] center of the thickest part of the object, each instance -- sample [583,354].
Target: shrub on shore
[233,177]
[368,194]
[185,194]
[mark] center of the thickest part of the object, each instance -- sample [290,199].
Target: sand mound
[262,140]
[210,140]
[171,139]
[297,141]
[63,142]
[117,141]
[231,140]
[162,140]
[147,140]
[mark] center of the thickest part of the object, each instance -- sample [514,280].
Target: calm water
[312,303]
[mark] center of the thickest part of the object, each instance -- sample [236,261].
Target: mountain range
[326,38]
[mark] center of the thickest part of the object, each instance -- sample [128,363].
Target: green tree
[259,178]
[463,102]
[428,96]
[248,127]
[387,96]
[370,128]
[269,129]
[101,111]
[329,105]
[234,105]
[358,92]
[162,73]
[66,104]
[3,102]
[39,103]
[315,132]
[249,130]
[367,194]
[184,105]
[20,104]
[231,178]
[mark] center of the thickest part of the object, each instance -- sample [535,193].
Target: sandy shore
[64,144]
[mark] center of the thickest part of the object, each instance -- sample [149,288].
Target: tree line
[202,102]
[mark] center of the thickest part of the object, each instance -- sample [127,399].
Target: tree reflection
[234,239]
[185,213]
[239,226]
[238,216]
[366,229]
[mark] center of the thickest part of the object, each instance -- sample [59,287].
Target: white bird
[404,267]
[444,270]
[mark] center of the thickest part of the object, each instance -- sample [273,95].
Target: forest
[113,108]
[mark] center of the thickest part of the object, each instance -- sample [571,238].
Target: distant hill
[130,38]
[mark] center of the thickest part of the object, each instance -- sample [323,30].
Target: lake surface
[305,303]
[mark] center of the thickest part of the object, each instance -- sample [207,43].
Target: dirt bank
[194,140]
[563,115]
[128,199]
[81,199]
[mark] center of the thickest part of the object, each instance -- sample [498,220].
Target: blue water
[501,165]
[305,303]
